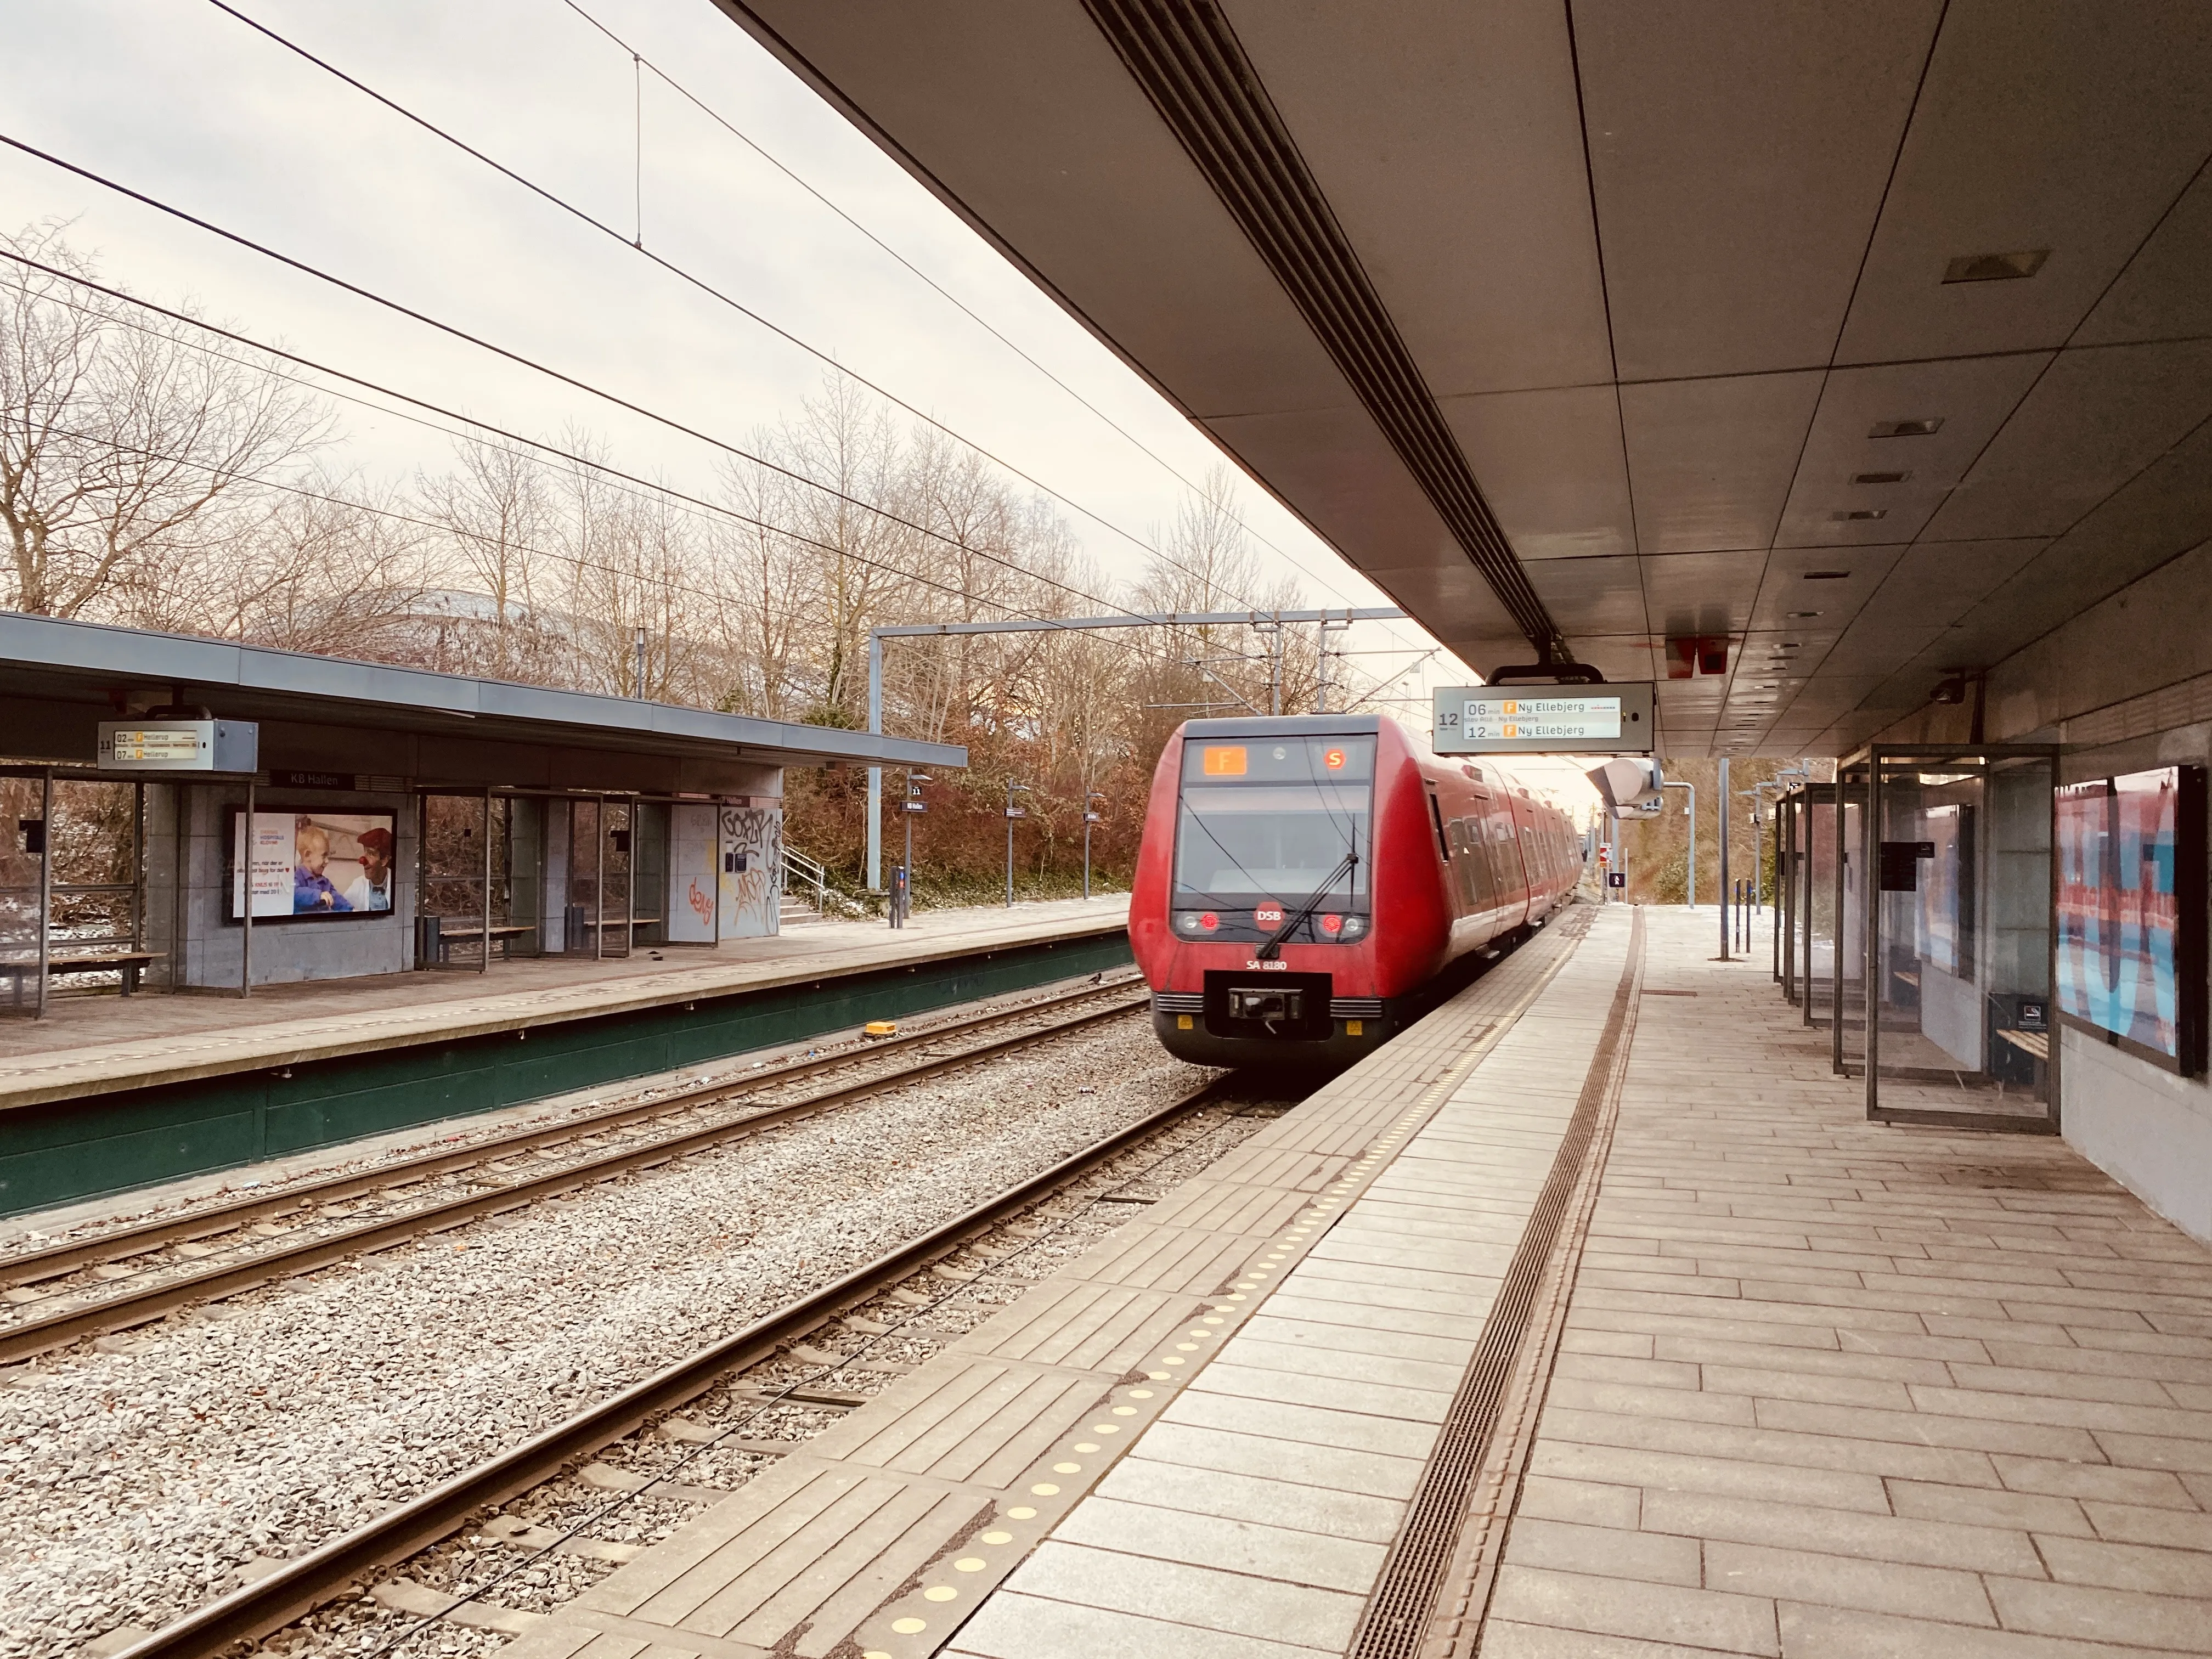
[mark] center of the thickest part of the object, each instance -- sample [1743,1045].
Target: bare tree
[497,513]
[122,441]
[335,567]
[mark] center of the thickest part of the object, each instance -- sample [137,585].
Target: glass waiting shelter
[1939,905]
[1805,917]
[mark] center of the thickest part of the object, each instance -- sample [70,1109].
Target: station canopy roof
[60,678]
[1875,338]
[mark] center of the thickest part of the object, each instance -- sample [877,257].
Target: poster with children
[305,863]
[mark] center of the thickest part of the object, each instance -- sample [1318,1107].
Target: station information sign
[179,746]
[1546,719]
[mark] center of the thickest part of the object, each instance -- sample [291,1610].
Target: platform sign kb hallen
[1545,719]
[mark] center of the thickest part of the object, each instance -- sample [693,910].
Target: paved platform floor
[1794,1385]
[1252,1520]
[93,1044]
[883,1533]
[1825,1389]
[1836,1390]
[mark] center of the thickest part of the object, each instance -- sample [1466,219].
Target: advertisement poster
[307,865]
[2123,955]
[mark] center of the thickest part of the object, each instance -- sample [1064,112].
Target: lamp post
[1691,812]
[1724,858]
[1090,817]
[1013,813]
[1757,793]
[909,809]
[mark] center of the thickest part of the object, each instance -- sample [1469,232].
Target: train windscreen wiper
[1274,948]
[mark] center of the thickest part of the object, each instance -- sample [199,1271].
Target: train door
[1505,865]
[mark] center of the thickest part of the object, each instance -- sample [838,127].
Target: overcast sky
[177,100]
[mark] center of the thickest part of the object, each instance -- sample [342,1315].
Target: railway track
[293,1589]
[141,1273]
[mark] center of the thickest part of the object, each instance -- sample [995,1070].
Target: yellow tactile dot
[997,1538]
[1201,1334]
[1020,1512]
[970,1563]
[1235,1298]
[1157,1376]
[1085,1446]
[1067,1468]
[1045,1489]
[1188,1347]
[875,1653]
[1171,1359]
[1140,1394]
[940,1593]
[909,1627]
[1213,1321]
[1107,1428]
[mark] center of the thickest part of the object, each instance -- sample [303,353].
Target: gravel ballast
[135,1484]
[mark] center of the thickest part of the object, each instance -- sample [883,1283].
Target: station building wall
[191,924]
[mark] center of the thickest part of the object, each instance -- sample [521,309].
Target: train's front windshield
[1264,821]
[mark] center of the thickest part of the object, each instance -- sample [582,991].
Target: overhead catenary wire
[465,426]
[637,243]
[716,508]
[468,429]
[766,154]
[520,359]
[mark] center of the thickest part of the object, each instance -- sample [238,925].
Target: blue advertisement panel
[2131,910]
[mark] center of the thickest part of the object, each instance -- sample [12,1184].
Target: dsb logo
[1268,915]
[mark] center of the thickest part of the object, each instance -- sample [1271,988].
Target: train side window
[1480,888]
[1436,817]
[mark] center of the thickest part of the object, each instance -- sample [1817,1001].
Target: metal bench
[129,964]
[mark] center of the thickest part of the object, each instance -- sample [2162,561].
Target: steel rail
[29,1266]
[300,1586]
[119,1312]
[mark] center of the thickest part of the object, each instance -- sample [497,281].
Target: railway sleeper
[606,1477]
[840,1362]
[518,1534]
[405,1596]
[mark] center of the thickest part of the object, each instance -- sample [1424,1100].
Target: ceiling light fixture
[1921,428]
[1861,512]
[1824,576]
[1799,616]
[1996,267]
[1878,478]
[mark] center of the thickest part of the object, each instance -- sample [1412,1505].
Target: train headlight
[1209,921]
[1193,921]
[1354,926]
[1332,925]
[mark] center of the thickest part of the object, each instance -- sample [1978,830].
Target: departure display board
[1545,719]
[179,746]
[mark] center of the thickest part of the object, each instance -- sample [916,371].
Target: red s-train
[1301,879]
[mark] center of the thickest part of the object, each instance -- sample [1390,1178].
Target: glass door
[1840,931]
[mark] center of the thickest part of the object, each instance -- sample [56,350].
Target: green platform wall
[67,1151]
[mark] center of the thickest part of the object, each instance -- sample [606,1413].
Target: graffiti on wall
[751,871]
